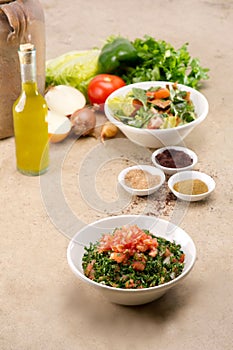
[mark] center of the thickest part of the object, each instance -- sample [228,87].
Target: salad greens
[143,59]
[75,68]
[159,60]
[140,95]
[159,269]
[145,109]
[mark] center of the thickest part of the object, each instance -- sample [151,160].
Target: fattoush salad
[155,108]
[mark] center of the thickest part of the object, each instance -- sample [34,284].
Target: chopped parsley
[139,269]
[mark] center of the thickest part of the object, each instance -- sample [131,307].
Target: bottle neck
[28,69]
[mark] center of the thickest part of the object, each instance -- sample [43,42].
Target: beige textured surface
[43,305]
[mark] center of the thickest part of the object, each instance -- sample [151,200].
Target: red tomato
[182,257]
[101,86]
[118,257]
[138,265]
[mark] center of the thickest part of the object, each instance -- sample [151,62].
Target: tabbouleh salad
[132,258]
[154,108]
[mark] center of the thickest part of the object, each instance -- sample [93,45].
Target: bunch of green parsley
[159,60]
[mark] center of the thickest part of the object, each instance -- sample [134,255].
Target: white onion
[64,99]
[59,126]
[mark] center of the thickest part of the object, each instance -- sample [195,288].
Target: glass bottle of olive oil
[29,117]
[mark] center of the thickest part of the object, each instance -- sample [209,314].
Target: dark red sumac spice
[173,158]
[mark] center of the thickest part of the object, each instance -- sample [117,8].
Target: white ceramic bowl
[185,175]
[159,227]
[159,137]
[170,171]
[144,192]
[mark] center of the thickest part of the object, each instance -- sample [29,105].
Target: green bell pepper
[116,54]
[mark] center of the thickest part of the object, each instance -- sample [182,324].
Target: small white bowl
[191,175]
[170,171]
[92,233]
[144,192]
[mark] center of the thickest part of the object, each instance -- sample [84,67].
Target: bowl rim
[187,150]
[122,89]
[192,174]
[138,291]
[150,169]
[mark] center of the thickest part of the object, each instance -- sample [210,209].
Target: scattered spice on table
[173,158]
[191,187]
[140,179]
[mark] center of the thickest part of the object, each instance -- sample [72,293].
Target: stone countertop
[43,305]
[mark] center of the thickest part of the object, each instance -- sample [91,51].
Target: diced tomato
[118,248]
[153,253]
[92,274]
[90,266]
[182,257]
[150,94]
[140,286]
[167,252]
[126,241]
[142,247]
[89,271]
[114,285]
[158,94]
[162,93]
[138,265]
[154,242]
[129,284]
[118,257]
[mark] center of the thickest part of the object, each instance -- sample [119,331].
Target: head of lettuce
[74,68]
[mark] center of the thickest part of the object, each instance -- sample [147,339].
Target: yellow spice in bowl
[191,187]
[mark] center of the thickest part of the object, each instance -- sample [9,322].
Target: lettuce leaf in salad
[121,106]
[169,122]
[74,68]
